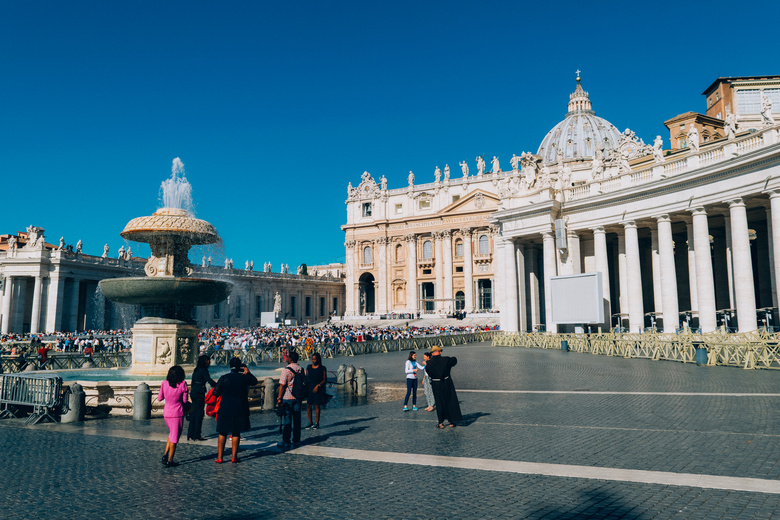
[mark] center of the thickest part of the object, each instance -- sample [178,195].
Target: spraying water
[176,192]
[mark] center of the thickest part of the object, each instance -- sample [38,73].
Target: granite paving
[578,412]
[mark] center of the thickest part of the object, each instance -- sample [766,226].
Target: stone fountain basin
[165,290]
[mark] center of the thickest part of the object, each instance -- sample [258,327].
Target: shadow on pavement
[471,418]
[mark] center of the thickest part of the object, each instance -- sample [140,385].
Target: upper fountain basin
[172,222]
[165,291]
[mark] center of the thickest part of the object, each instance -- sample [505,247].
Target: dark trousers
[411,389]
[196,418]
[291,422]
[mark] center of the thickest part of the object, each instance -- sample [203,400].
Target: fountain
[167,335]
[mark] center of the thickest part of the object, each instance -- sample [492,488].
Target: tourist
[233,416]
[426,384]
[411,368]
[317,377]
[291,421]
[174,392]
[200,376]
[438,369]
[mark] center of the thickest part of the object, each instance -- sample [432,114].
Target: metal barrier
[66,361]
[758,349]
[43,393]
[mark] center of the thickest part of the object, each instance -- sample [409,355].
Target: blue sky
[275,107]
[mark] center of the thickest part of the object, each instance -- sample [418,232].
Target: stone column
[705,286]
[622,274]
[54,302]
[497,288]
[692,268]
[381,259]
[351,303]
[744,294]
[548,238]
[411,281]
[729,262]
[509,314]
[770,228]
[438,270]
[522,324]
[602,266]
[449,303]
[6,309]
[658,302]
[671,304]
[575,258]
[74,306]
[532,289]
[35,319]
[774,207]
[468,272]
[636,313]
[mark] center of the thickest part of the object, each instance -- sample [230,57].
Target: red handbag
[212,403]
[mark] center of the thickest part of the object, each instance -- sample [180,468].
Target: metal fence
[750,350]
[43,393]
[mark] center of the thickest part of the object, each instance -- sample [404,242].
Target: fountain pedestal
[160,343]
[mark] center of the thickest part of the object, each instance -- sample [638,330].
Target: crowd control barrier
[42,392]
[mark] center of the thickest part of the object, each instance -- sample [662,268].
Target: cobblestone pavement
[546,434]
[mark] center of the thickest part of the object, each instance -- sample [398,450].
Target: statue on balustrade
[496,167]
[658,149]
[464,167]
[437,174]
[446,173]
[410,178]
[597,167]
[693,138]
[480,166]
[766,111]
[731,125]
[105,251]
[514,161]
[79,245]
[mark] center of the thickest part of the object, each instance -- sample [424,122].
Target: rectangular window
[322,306]
[774,96]
[292,306]
[336,305]
[366,209]
[399,208]
[749,101]
[425,204]
[258,306]
[238,306]
[426,271]
[307,305]
[455,198]
[459,249]
[459,269]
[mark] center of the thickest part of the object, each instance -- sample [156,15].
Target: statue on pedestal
[693,138]
[766,111]
[514,161]
[79,246]
[446,173]
[731,126]
[410,178]
[437,174]
[277,303]
[464,167]
[105,251]
[480,166]
[383,182]
[12,244]
[121,253]
[203,262]
[658,149]
[496,167]
[62,243]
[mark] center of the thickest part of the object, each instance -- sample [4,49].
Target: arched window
[460,301]
[427,249]
[367,255]
[484,245]
[399,253]
[459,248]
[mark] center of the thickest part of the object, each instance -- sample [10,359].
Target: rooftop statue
[496,167]
[383,182]
[464,168]
[437,174]
[731,125]
[693,138]
[480,166]
[446,173]
[658,149]
[766,111]
[411,178]
[514,162]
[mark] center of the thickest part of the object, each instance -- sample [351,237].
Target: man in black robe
[438,369]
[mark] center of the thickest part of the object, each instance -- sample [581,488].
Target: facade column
[35,319]
[692,268]
[8,287]
[636,313]
[744,294]
[411,281]
[668,287]
[522,321]
[381,259]
[468,271]
[509,310]
[602,266]
[438,270]
[575,257]
[449,303]
[74,307]
[622,275]
[729,262]
[54,302]
[658,302]
[350,282]
[532,287]
[548,238]
[496,288]
[770,228]
[705,285]
[774,208]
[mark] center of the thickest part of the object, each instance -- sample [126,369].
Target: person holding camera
[291,420]
[233,416]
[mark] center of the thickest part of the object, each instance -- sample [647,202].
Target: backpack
[212,403]
[300,386]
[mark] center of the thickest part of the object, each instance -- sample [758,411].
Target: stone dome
[581,132]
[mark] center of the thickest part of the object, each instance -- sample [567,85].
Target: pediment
[473,202]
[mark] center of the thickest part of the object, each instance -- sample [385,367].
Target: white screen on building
[577,299]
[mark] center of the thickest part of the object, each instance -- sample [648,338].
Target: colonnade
[630,263]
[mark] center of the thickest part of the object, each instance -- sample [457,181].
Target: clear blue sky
[275,106]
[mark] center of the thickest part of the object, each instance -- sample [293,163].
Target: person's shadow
[471,418]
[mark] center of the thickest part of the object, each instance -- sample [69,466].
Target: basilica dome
[580,134]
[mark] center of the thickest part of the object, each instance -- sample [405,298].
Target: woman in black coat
[233,415]
[200,377]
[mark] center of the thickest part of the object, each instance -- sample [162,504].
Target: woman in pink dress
[174,392]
